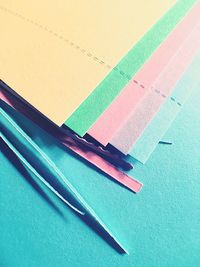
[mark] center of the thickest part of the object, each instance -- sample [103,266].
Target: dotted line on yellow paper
[84,51]
[62,38]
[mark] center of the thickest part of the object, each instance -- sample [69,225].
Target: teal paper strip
[29,147]
[94,105]
[31,169]
[164,118]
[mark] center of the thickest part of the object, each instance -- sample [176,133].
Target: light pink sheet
[113,118]
[156,95]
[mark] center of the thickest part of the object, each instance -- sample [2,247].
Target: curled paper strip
[28,142]
[89,156]
[37,151]
[33,170]
[113,158]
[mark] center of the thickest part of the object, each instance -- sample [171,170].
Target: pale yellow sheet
[54,53]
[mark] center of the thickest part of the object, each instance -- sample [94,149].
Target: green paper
[94,105]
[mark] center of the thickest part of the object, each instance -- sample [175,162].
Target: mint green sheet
[93,106]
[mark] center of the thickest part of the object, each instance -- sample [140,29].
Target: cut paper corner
[144,157]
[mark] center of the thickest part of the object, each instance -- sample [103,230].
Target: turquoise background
[159,226]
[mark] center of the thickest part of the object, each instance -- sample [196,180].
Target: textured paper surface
[157,94]
[55,53]
[119,110]
[110,87]
[168,112]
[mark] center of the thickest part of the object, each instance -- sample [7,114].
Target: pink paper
[89,156]
[113,118]
[156,94]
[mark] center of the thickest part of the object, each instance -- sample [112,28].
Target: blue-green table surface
[159,226]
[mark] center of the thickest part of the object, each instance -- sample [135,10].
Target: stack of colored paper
[105,78]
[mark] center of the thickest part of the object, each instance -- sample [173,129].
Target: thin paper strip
[157,94]
[19,132]
[23,106]
[35,152]
[89,111]
[30,168]
[168,112]
[116,114]
[89,156]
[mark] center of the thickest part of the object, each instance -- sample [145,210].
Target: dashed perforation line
[165,96]
[83,51]
[69,42]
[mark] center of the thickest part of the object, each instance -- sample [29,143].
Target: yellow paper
[54,53]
